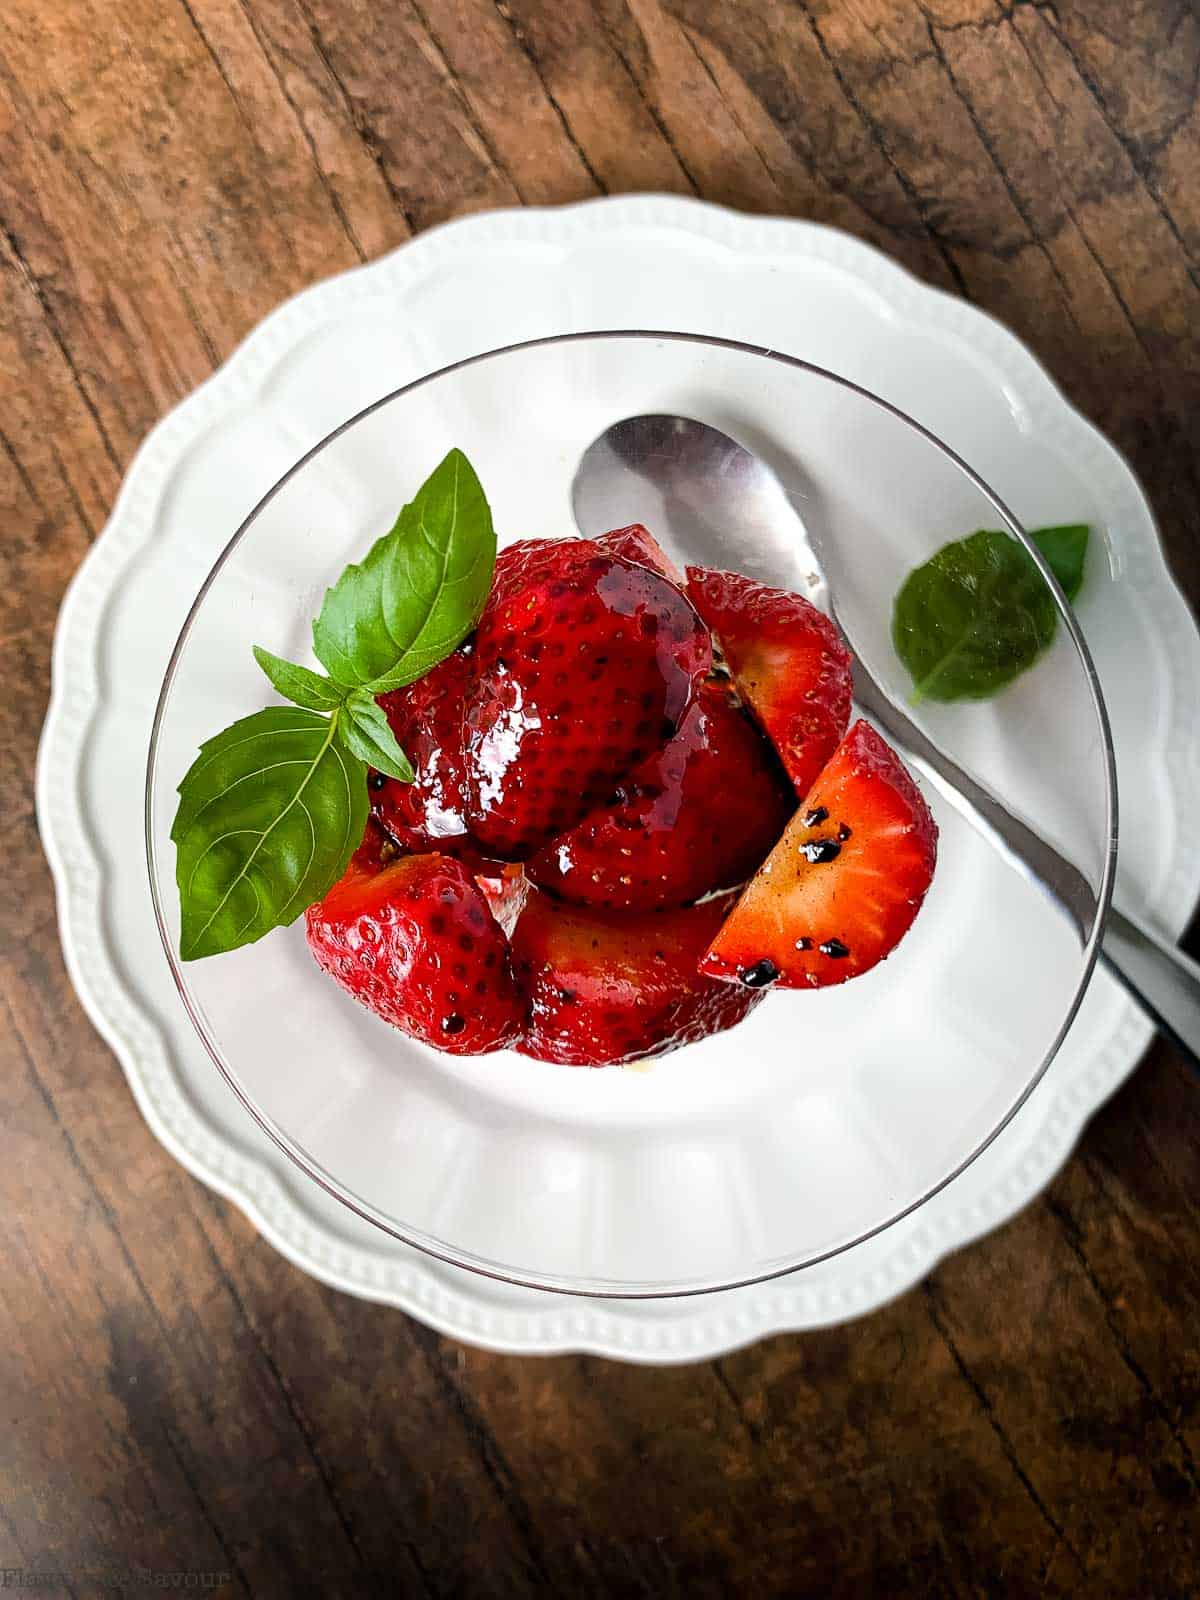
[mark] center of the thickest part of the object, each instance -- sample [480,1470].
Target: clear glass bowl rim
[601,1289]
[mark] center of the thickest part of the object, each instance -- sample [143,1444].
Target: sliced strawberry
[606,987]
[699,814]
[842,886]
[427,719]
[788,660]
[585,662]
[416,944]
[637,543]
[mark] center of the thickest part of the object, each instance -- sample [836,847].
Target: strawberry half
[416,944]
[584,663]
[841,888]
[637,543]
[427,719]
[699,814]
[788,660]
[605,987]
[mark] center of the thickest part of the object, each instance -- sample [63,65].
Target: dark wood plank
[177,1394]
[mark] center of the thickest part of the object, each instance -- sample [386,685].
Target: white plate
[643,263]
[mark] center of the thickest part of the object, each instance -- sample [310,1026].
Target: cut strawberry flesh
[841,888]
[699,814]
[606,987]
[788,660]
[585,663]
[416,943]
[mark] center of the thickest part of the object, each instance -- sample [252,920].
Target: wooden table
[174,1395]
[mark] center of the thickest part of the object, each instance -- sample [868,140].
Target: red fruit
[416,944]
[637,543]
[584,663]
[699,814]
[841,888]
[376,850]
[605,987]
[789,661]
[426,718]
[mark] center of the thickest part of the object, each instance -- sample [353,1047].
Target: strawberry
[376,849]
[842,886]
[637,543]
[416,943]
[426,718]
[697,815]
[584,664]
[788,660]
[604,987]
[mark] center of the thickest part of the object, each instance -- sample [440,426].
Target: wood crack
[735,1400]
[59,338]
[647,104]
[875,134]
[357,121]
[525,46]
[27,482]
[293,1409]
[189,1478]
[206,344]
[71,491]
[460,92]
[993,1421]
[1074,1239]
[323,177]
[1128,145]
[1114,287]
[1010,188]
[490,1455]
[751,142]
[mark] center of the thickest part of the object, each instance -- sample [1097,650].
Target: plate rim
[274,1207]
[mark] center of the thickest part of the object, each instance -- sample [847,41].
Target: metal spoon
[719,501]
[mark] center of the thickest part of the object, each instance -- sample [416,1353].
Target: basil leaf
[298,684]
[1065,548]
[367,734]
[270,813]
[419,591]
[978,613]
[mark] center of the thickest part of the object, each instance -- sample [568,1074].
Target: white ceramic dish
[341,345]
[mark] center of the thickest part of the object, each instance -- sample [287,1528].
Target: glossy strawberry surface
[841,888]
[637,543]
[427,720]
[584,664]
[416,943]
[789,661]
[699,814]
[605,987]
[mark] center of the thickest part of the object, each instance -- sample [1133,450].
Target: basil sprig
[272,809]
[978,612]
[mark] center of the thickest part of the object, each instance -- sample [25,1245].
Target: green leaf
[1065,548]
[367,734]
[269,815]
[419,591]
[299,684]
[978,613]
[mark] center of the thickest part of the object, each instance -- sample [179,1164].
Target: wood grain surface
[172,1393]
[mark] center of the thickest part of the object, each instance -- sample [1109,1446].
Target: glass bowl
[825,1116]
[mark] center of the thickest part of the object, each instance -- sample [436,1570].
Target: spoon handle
[1159,976]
